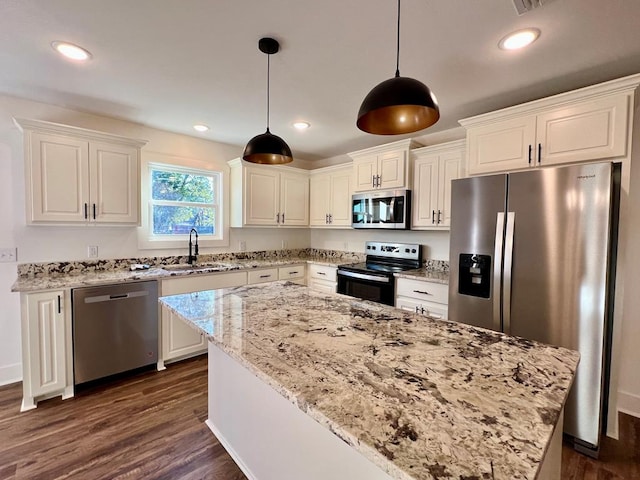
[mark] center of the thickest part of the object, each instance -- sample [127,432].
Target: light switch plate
[242,246]
[92,251]
[8,255]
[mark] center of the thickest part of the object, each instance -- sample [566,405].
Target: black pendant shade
[398,105]
[267,148]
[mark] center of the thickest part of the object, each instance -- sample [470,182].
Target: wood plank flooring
[151,426]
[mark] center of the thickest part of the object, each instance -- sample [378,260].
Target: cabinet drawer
[264,275]
[291,272]
[323,272]
[422,290]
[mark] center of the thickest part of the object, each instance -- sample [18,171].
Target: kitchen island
[399,395]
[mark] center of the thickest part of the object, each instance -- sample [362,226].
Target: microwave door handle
[392,209]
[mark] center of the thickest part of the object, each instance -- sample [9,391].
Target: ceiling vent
[524,6]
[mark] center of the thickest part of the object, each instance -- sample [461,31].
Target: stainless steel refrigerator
[532,254]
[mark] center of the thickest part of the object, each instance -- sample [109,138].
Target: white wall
[45,244]
[435,244]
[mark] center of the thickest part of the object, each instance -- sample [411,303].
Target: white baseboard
[10,374]
[629,403]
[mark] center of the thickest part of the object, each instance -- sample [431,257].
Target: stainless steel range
[373,280]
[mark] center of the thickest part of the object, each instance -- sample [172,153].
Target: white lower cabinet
[323,278]
[422,297]
[263,275]
[46,343]
[177,338]
[293,273]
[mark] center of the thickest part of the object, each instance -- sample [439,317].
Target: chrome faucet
[193,254]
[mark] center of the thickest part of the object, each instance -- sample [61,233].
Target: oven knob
[406,250]
[413,250]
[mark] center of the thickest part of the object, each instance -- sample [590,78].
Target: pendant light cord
[398,44]
[268,76]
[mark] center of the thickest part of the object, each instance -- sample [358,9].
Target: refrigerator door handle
[497,271]
[508,265]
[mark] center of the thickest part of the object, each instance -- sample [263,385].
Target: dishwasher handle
[119,296]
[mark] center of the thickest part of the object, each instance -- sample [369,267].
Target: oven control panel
[407,251]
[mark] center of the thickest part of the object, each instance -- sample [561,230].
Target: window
[181,199]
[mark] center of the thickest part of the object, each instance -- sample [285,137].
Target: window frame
[147,240]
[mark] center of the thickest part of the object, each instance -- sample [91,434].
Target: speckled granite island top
[422,399]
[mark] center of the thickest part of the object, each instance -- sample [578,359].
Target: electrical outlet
[284,244]
[242,246]
[8,255]
[92,251]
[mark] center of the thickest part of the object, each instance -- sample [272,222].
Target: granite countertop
[425,274]
[121,273]
[421,398]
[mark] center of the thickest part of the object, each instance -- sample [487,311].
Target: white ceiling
[172,63]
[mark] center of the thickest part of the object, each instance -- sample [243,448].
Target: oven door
[367,286]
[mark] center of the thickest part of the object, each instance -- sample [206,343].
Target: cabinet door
[425,191]
[587,131]
[391,168]
[340,209]
[502,146]
[115,196]
[320,198]
[46,342]
[59,179]
[262,193]
[179,340]
[364,169]
[450,168]
[294,199]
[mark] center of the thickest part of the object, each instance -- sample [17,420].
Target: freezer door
[477,229]
[559,274]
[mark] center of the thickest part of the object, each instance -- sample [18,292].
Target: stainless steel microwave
[390,209]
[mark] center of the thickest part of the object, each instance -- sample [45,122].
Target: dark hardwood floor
[151,426]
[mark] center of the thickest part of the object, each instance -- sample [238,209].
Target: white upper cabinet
[434,168]
[383,167]
[268,195]
[330,194]
[80,176]
[584,125]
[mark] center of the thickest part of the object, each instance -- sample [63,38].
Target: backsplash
[437,265]
[88,266]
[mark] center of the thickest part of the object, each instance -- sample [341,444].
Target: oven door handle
[364,276]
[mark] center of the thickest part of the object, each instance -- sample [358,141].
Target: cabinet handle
[326,218]
[530,149]
[59,304]
[330,218]
[321,273]
[265,276]
[422,310]
[417,309]
[433,216]
[421,292]
[379,180]
[278,218]
[293,273]
[86,211]
[373,181]
[539,153]
[439,213]
[94,211]
[283,218]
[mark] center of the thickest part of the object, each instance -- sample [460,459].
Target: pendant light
[267,148]
[398,105]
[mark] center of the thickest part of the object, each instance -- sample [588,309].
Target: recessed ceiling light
[71,51]
[301,125]
[519,39]
[200,127]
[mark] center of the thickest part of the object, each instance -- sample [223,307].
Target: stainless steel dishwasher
[115,329]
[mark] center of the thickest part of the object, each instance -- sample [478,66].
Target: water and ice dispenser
[474,275]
